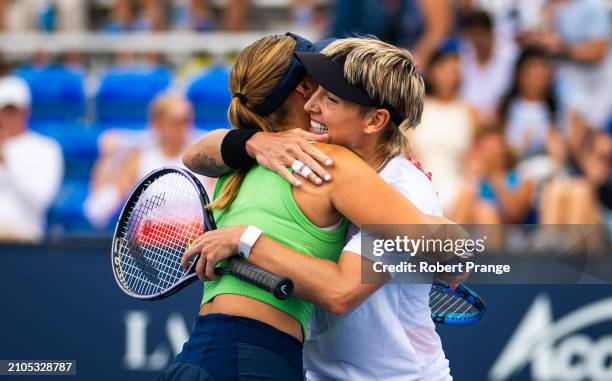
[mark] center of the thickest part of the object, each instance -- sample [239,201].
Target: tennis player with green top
[242,332]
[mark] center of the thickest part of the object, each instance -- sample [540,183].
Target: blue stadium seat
[57,92]
[66,214]
[210,96]
[125,93]
[79,146]
[119,124]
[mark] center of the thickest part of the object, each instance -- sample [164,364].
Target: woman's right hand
[277,151]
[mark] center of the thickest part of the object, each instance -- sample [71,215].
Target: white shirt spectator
[515,16]
[102,204]
[527,127]
[441,142]
[482,86]
[586,89]
[127,156]
[31,172]
[390,336]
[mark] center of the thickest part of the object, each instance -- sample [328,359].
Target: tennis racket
[459,306]
[163,216]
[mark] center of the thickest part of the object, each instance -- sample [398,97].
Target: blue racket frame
[467,296]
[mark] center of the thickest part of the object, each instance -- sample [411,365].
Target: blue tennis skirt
[227,348]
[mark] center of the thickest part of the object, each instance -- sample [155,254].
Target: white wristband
[247,241]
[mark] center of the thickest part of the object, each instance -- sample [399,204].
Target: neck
[445,96]
[170,151]
[532,97]
[371,156]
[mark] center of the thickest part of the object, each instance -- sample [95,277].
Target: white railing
[214,43]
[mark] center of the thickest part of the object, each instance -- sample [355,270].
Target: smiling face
[361,71]
[342,120]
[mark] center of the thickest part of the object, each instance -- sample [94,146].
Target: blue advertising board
[61,302]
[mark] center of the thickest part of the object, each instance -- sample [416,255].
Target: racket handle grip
[280,287]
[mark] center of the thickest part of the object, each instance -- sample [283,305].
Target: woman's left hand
[213,247]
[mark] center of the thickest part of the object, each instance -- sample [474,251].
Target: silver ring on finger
[306,171]
[297,166]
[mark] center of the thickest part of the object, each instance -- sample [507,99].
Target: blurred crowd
[516,125]
[117,16]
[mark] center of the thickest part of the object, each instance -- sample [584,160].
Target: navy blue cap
[318,46]
[329,73]
[292,77]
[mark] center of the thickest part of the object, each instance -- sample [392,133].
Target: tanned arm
[204,156]
[336,287]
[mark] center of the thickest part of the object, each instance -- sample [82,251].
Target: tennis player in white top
[390,336]
[369,93]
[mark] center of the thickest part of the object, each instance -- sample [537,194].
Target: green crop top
[265,200]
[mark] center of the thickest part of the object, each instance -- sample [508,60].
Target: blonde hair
[389,75]
[257,70]
[163,103]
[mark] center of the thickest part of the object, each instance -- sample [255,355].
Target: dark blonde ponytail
[257,70]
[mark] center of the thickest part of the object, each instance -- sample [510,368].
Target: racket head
[161,218]
[458,306]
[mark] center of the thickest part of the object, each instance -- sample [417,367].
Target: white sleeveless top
[390,336]
[441,143]
[152,158]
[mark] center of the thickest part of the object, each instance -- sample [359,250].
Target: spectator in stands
[149,17]
[529,110]
[578,33]
[419,25]
[492,192]
[31,167]
[598,171]
[510,17]
[47,16]
[116,172]
[529,116]
[5,68]
[195,15]
[581,199]
[487,62]
[236,13]
[448,124]
[302,12]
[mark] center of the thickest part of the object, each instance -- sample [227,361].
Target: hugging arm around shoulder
[364,198]
[204,156]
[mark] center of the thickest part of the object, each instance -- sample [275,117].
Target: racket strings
[159,259]
[168,240]
[446,303]
[160,227]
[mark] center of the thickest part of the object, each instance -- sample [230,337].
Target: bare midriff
[238,305]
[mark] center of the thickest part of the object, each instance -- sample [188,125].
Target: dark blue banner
[61,302]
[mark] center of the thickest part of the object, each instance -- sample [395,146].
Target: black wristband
[233,149]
